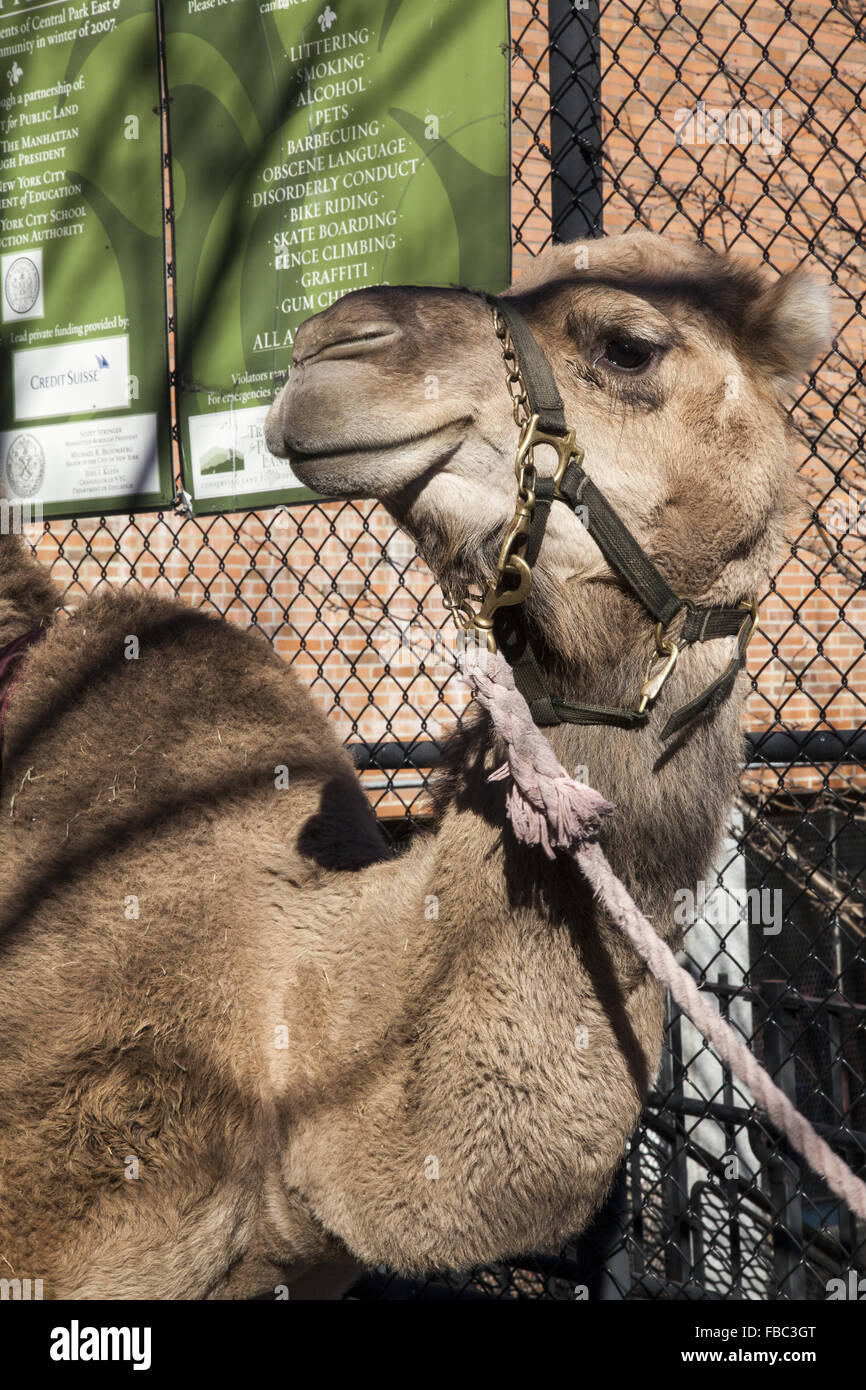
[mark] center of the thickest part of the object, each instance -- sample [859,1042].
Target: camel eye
[625,356]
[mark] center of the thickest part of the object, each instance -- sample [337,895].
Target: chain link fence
[741,126]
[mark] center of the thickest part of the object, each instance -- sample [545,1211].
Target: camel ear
[789,325]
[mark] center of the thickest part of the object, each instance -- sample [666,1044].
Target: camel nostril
[350,342]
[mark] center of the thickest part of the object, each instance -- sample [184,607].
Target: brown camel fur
[241,1044]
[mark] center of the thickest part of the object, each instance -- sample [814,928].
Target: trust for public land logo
[21,285]
[25,466]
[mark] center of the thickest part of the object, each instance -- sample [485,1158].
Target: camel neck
[670,802]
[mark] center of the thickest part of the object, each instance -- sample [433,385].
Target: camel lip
[294,453]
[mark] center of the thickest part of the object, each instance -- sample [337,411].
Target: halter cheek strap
[501,617]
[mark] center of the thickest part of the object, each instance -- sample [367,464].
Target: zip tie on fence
[549,808]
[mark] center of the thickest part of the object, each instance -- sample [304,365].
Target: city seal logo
[25,466]
[21,286]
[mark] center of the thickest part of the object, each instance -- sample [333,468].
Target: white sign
[73,463]
[72,378]
[229,456]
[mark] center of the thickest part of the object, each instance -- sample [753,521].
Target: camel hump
[137,713]
[130,664]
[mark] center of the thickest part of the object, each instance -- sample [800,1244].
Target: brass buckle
[668,649]
[751,606]
[564,445]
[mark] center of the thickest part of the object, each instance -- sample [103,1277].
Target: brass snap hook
[656,674]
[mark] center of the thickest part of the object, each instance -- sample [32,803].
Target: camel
[246,1050]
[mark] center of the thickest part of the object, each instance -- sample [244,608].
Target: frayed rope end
[569,815]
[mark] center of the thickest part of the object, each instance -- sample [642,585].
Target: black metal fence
[638,114]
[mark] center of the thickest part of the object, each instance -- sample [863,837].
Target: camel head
[672,363]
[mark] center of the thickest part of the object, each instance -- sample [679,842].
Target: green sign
[84,396]
[318,148]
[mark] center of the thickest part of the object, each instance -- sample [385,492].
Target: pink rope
[549,808]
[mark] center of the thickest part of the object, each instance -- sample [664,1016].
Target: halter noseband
[539,412]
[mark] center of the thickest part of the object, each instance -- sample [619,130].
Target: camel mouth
[295,452]
[332,468]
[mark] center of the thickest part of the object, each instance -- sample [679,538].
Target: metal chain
[514,376]
[513,576]
[521,409]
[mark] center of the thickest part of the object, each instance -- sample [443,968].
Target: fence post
[678,1245]
[575,118]
[785,1177]
[603,1263]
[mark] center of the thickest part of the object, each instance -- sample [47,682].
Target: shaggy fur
[240,1044]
